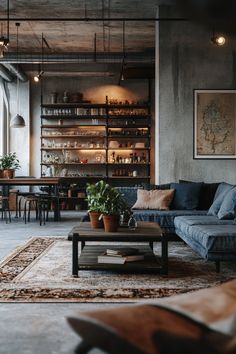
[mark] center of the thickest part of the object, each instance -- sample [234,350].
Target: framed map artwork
[214,124]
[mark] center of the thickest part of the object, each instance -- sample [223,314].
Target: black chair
[5,209]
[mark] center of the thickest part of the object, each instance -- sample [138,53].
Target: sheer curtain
[4,118]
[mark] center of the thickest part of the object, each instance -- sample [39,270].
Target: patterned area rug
[40,271]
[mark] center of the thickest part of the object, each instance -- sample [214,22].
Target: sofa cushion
[221,191]
[228,206]
[165,218]
[154,199]
[186,196]
[129,194]
[206,239]
[149,186]
[203,220]
[207,194]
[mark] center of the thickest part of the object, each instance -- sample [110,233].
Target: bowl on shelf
[113,144]
[84,161]
[140,145]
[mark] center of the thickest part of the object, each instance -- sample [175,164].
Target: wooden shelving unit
[84,140]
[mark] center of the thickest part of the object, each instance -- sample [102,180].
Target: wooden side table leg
[151,245]
[75,256]
[164,254]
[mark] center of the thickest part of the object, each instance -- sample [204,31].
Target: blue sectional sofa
[165,218]
[213,238]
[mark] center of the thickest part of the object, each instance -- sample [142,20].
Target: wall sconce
[38,77]
[218,39]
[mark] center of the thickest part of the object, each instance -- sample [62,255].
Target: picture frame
[214,133]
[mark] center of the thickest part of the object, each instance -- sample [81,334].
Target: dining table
[50,182]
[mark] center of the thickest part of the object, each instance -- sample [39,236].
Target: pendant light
[123,65]
[17,121]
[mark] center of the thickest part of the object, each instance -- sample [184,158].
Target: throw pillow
[154,199]
[219,197]
[149,186]
[186,195]
[228,206]
[129,194]
[207,194]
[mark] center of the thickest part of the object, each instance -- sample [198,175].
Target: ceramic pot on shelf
[8,173]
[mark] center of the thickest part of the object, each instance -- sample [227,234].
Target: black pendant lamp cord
[8,20]
[17,58]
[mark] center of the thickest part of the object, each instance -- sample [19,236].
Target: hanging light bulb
[17,121]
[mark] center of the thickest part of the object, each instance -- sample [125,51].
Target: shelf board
[69,148]
[94,105]
[71,116]
[70,198]
[143,126]
[129,116]
[44,126]
[73,164]
[129,164]
[71,136]
[129,136]
[129,148]
[73,178]
[139,105]
[74,105]
[131,177]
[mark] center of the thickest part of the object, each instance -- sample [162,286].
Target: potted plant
[113,206]
[95,198]
[9,164]
[1,170]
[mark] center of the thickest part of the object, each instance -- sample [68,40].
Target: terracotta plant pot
[94,219]
[111,223]
[8,173]
[1,173]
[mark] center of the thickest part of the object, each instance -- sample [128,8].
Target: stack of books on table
[120,256]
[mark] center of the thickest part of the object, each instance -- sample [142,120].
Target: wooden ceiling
[78,36]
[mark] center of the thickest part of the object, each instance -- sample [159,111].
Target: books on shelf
[120,256]
[122,252]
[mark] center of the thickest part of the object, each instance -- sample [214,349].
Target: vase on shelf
[53,97]
[132,223]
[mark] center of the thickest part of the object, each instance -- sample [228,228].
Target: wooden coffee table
[145,235]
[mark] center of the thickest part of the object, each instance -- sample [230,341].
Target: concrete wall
[94,89]
[188,60]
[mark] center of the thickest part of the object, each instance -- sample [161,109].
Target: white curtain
[4,118]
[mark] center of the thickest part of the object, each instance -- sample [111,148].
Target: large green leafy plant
[9,162]
[105,199]
[96,195]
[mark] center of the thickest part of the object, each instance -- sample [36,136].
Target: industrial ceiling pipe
[92,19]
[5,74]
[17,71]
[76,58]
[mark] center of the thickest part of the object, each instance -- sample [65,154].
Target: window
[3,118]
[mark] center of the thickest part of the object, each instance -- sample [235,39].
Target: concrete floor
[38,328]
